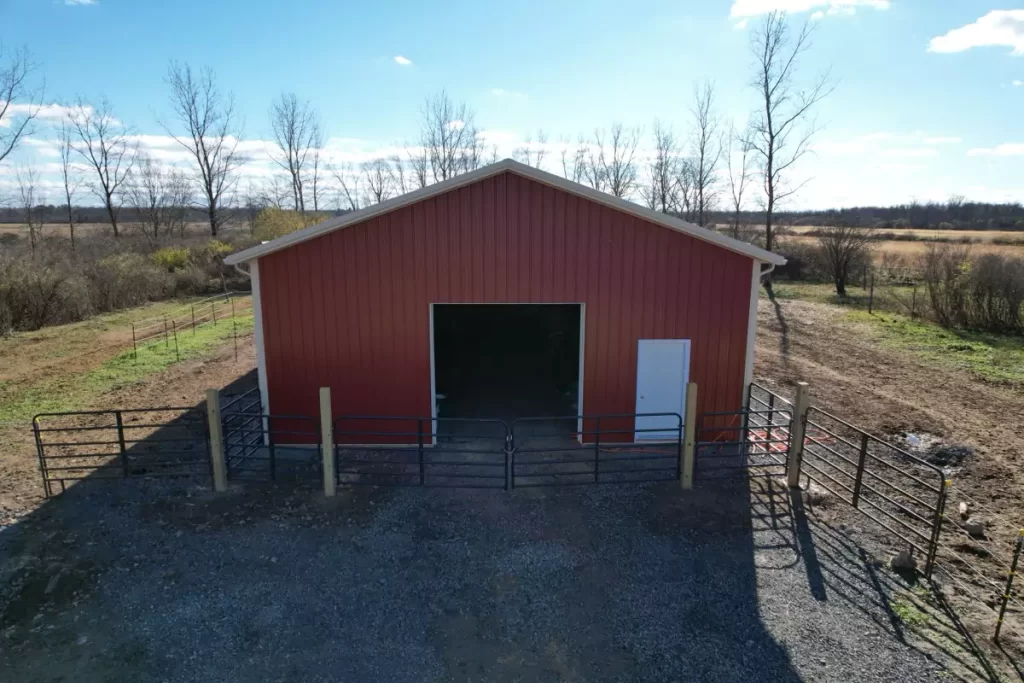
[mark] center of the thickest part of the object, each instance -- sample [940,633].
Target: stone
[975,527]
[903,561]
[965,510]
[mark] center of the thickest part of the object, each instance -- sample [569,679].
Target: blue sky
[929,97]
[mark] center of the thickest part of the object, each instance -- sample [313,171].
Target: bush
[191,280]
[128,279]
[944,226]
[984,293]
[273,223]
[34,295]
[171,258]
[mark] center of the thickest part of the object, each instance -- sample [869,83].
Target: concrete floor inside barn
[162,581]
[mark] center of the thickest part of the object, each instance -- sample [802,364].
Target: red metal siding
[350,309]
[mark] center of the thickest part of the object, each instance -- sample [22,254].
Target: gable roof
[525,171]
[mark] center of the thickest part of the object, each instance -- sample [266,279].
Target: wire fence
[978,551]
[222,308]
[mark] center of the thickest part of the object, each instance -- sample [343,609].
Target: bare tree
[574,159]
[27,178]
[419,164]
[349,191]
[845,249]
[316,172]
[254,200]
[379,179]
[707,151]
[451,142]
[72,181]
[296,132]
[687,184]
[276,192]
[740,173]
[781,131]
[531,153]
[103,142]
[19,101]
[212,135]
[661,191]
[159,198]
[611,161]
[398,174]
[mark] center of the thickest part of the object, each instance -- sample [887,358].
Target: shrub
[191,280]
[127,279]
[33,295]
[171,258]
[273,223]
[984,292]
[944,225]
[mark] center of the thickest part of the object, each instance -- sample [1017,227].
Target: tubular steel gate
[263,447]
[492,454]
[597,449]
[754,441]
[899,491]
[118,444]
[447,452]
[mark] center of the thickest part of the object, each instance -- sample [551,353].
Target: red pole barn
[505,292]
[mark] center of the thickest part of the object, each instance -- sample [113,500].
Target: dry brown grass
[911,250]
[976,236]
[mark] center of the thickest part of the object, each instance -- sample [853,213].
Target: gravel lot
[148,581]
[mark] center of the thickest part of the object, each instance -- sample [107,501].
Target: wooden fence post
[220,469]
[689,440]
[796,434]
[327,441]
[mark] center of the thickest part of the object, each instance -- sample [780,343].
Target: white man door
[662,373]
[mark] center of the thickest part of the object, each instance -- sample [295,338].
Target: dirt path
[888,391]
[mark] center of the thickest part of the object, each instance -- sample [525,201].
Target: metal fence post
[120,443]
[327,441]
[220,469]
[801,404]
[940,510]
[859,478]
[689,440]
[42,457]
[1009,583]
[419,449]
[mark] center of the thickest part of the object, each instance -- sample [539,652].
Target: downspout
[238,267]
[764,271]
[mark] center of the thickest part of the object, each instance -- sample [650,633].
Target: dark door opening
[506,360]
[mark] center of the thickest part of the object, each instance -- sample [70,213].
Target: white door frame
[687,348]
[433,372]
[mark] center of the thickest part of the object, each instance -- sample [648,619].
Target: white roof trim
[529,172]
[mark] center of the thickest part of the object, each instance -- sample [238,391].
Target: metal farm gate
[118,444]
[754,441]
[596,449]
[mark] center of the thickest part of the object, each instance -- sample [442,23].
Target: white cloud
[817,15]
[403,61]
[42,147]
[508,94]
[888,144]
[998,28]
[80,2]
[1007,149]
[753,8]
[1017,84]
[457,124]
[46,112]
[908,152]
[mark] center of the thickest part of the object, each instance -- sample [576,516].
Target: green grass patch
[75,392]
[908,612]
[992,357]
[856,297]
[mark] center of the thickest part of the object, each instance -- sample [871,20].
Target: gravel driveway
[624,583]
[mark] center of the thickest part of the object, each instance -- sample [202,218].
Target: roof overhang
[525,171]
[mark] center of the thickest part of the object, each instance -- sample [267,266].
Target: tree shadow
[784,340]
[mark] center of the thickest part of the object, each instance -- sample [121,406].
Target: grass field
[975,236]
[912,250]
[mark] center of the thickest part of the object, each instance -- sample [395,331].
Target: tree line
[714,167]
